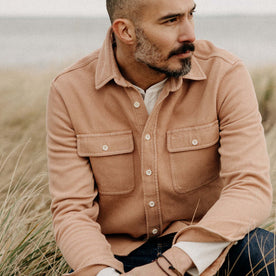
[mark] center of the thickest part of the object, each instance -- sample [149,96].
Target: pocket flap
[105,144]
[193,138]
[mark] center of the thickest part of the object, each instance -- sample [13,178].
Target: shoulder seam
[228,60]
[76,67]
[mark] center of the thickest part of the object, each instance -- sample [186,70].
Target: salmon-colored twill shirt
[197,165]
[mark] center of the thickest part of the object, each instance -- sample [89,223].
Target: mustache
[183,49]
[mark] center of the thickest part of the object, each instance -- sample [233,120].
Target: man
[157,157]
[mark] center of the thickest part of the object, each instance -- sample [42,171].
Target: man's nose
[187,31]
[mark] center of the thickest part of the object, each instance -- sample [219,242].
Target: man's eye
[171,20]
[192,13]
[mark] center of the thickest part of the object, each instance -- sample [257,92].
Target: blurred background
[40,32]
[38,38]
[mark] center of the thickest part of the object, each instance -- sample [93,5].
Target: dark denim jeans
[254,255]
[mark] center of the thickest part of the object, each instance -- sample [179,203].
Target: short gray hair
[123,9]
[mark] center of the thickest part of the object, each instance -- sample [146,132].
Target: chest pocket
[111,157]
[194,157]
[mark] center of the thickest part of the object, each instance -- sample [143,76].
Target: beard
[148,53]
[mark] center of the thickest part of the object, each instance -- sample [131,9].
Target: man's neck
[135,72]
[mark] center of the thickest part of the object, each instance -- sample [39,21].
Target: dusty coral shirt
[197,165]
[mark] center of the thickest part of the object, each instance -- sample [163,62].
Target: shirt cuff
[109,271]
[203,254]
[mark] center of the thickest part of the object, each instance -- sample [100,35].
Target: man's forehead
[156,8]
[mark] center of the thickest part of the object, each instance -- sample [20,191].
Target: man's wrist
[179,259]
[171,266]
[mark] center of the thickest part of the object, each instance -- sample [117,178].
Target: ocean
[44,42]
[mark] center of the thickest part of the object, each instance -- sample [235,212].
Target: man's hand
[177,257]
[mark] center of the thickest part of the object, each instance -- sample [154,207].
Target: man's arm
[73,192]
[246,198]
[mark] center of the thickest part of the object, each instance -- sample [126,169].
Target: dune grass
[27,245]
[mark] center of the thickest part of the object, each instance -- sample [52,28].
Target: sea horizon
[44,41]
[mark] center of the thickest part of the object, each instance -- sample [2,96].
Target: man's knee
[253,255]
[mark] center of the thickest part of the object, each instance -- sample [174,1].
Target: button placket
[150,181]
[150,187]
[140,114]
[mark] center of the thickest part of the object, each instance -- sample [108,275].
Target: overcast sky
[97,7]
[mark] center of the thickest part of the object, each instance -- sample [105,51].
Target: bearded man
[157,157]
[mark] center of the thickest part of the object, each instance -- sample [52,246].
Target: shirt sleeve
[109,271]
[74,206]
[202,254]
[246,198]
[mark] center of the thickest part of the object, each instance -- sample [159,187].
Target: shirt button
[151,204]
[154,231]
[147,137]
[149,172]
[195,142]
[136,104]
[105,147]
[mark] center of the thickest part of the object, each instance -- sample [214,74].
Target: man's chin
[180,72]
[177,74]
[183,69]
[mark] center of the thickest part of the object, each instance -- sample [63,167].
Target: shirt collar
[107,68]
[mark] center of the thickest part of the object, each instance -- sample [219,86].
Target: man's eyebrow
[174,15]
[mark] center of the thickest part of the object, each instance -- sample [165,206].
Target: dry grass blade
[26,241]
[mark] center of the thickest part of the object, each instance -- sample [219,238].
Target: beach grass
[27,245]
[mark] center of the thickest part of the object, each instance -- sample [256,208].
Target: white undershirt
[151,95]
[202,254]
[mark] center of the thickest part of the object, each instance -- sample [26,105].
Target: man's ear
[124,30]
